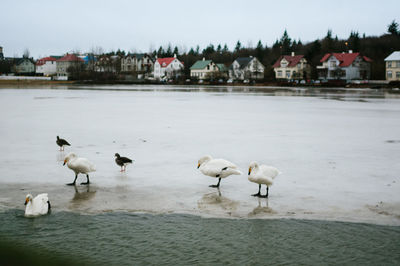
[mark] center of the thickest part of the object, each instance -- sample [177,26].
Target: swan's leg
[87,182]
[259,192]
[266,195]
[73,183]
[217,185]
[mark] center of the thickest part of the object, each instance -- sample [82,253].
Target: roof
[138,56]
[292,60]
[43,60]
[22,59]
[345,59]
[164,62]
[395,56]
[70,58]
[201,64]
[244,61]
[222,67]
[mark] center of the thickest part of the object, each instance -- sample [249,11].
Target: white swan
[262,174]
[79,165]
[37,206]
[218,168]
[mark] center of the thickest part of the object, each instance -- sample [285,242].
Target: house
[345,66]
[67,65]
[168,67]
[291,67]
[140,64]
[246,68]
[23,66]
[46,66]
[207,69]
[108,63]
[392,64]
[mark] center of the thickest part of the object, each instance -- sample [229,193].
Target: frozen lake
[339,153]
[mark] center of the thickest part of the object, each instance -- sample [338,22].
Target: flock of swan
[217,168]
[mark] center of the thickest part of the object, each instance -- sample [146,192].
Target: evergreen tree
[393,28]
[285,42]
[176,51]
[238,46]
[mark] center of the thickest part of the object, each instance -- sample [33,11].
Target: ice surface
[339,153]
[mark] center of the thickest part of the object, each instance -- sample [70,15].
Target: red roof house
[291,67]
[345,66]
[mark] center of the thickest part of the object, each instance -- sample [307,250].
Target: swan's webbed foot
[217,186]
[256,195]
[71,184]
[85,183]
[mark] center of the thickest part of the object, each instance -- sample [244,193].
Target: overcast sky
[49,27]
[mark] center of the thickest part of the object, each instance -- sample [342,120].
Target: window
[287,74]
[333,63]
[389,74]
[284,64]
[208,67]
[398,64]
[397,74]
[389,64]
[279,73]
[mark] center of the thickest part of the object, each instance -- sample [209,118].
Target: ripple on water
[125,238]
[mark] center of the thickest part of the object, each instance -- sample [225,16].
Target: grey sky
[48,27]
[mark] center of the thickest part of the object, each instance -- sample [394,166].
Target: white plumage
[262,174]
[79,165]
[37,206]
[218,168]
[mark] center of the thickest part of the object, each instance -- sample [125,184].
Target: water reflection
[215,202]
[82,195]
[260,209]
[61,156]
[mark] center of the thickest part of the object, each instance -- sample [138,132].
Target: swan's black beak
[65,161]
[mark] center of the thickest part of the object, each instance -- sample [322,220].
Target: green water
[144,239]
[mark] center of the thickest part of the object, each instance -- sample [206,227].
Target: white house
[291,67]
[167,67]
[46,66]
[345,66]
[392,63]
[246,68]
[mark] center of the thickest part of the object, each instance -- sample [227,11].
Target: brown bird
[122,161]
[62,143]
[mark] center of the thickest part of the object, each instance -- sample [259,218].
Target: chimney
[174,55]
[350,51]
[204,59]
[292,53]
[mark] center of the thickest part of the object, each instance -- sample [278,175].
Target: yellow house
[291,67]
[392,63]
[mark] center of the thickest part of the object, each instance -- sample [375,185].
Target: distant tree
[285,42]
[176,51]
[393,28]
[225,49]
[26,53]
[354,41]
[238,46]
[259,51]
[169,53]
[219,48]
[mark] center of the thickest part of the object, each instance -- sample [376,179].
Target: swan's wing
[83,165]
[217,166]
[269,171]
[40,204]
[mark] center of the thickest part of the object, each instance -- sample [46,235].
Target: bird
[122,161]
[262,174]
[39,205]
[79,165]
[218,168]
[62,143]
